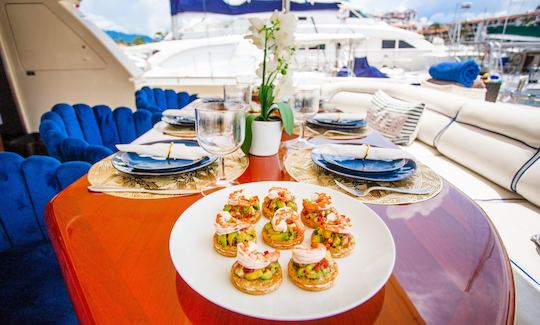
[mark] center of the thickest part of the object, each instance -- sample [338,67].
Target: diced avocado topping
[222,239]
[280,204]
[227,208]
[330,239]
[314,270]
[234,238]
[267,275]
[263,274]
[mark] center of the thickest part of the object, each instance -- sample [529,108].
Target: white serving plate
[361,274]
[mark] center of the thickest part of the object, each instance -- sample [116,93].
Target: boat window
[405,45]
[388,44]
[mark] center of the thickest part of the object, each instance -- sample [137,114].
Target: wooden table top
[451,267]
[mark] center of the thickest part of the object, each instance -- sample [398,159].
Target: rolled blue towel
[463,72]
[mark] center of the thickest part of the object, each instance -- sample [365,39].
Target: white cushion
[516,121]
[473,185]
[431,125]
[447,104]
[529,183]
[493,156]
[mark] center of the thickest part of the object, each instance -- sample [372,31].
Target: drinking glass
[305,104]
[220,131]
[240,91]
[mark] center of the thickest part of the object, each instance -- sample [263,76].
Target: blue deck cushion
[88,122]
[40,176]
[27,186]
[143,121]
[16,213]
[159,95]
[107,126]
[157,100]
[101,129]
[71,122]
[170,95]
[52,137]
[123,118]
[70,171]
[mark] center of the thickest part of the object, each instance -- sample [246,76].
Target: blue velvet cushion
[149,96]
[143,121]
[156,117]
[16,213]
[125,124]
[69,172]
[67,113]
[101,130]
[170,96]
[183,99]
[159,95]
[193,97]
[107,126]
[93,154]
[73,149]
[52,138]
[88,123]
[40,177]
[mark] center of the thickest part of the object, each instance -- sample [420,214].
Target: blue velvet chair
[156,100]
[84,133]
[32,290]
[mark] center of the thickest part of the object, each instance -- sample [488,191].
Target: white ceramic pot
[266,138]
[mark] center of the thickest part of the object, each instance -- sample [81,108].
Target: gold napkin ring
[169,152]
[367,151]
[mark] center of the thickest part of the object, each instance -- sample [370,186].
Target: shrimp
[319,201]
[286,215]
[337,223]
[249,257]
[226,224]
[238,198]
[281,193]
[308,255]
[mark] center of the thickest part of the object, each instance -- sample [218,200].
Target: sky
[150,16]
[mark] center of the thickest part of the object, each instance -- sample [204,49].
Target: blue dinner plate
[338,122]
[365,165]
[132,163]
[391,176]
[337,126]
[179,121]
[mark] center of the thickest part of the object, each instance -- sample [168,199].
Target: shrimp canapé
[242,207]
[312,268]
[277,198]
[256,272]
[335,233]
[284,230]
[230,232]
[316,208]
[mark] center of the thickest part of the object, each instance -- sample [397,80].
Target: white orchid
[276,38]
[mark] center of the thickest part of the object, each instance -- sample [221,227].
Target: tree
[138,41]
[435,26]
[158,36]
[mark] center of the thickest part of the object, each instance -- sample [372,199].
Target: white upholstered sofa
[489,151]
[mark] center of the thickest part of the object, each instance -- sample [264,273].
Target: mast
[286,5]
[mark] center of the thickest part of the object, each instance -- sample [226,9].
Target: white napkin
[188,111]
[340,116]
[160,150]
[359,152]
